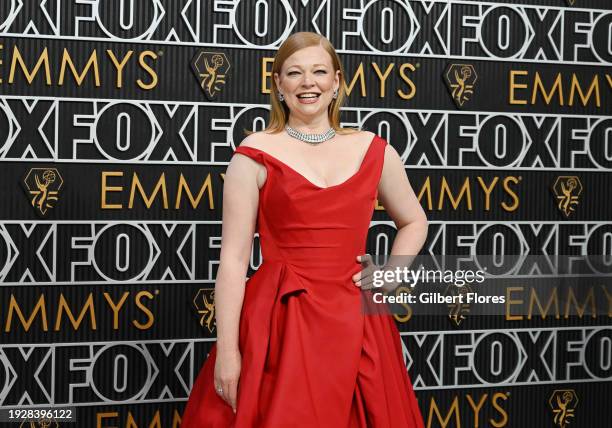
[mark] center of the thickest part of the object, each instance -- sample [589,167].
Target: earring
[280,97]
[335,94]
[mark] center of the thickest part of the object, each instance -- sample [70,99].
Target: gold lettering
[426,189]
[403,318]
[487,191]
[161,184]
[378,206]
[584,98]
[538,85]
[14,307]
[144,309]
[609,297]
[155,422]
[403,95]
[511,193]
[580,310]
[509,301]
[206,185]
[105,188]
[176,419]
[92,62]
[514,86]
[359,75]
[43,59]
[116,307]
[475,407]
[454,409]
[533,298]
[445,190]
[148,69]
[119,65]
[503,413]
[105,415]
[63,305]
[382,77]
[266,74]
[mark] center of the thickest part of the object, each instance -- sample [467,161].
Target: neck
[317,127]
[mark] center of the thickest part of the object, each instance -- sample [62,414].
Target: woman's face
[308,72]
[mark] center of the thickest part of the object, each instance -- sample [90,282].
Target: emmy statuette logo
[567,189]
[42,423]
[563,404]
[571,2]
[204,303]
[457,311]
[460,80]
[211,69]
[42,186]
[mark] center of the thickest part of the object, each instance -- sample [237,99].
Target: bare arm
[402,205]
[240,202]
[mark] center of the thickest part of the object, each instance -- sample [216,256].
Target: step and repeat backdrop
[118,119]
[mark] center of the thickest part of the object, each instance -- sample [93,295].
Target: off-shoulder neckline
[299,174]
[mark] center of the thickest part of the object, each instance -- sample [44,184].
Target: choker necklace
[311,138]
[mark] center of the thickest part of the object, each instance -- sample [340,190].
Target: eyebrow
[314,65]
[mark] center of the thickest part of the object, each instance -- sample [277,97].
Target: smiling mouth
[306,97]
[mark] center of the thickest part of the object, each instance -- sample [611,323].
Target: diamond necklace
[311,138]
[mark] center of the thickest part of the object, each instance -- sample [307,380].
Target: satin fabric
[310,356]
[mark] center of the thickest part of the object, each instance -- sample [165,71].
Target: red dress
[310,357]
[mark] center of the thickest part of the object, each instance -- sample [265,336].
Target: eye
[292,72]
[322,71]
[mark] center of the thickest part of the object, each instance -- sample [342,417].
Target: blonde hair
[279,112]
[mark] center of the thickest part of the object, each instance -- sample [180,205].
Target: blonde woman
[294,347]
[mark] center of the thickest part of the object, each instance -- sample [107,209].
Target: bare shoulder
[359,138]
[365,136]
[247,167]
[393,170]
[256,140]
[391,155]
[369,135]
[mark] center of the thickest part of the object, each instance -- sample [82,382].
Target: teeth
[308,96]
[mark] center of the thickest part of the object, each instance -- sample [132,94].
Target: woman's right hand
[227,374]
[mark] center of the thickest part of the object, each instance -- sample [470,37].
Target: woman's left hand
[365,278]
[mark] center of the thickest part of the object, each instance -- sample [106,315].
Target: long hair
[279,112]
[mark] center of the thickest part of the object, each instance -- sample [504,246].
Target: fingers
[363,279]
[227,377]
[219,389]
[365,258]
[366,283]
[231,395]
[228,391]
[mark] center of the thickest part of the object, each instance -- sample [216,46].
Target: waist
[339,269]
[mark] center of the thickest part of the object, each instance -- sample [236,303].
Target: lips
[307,95]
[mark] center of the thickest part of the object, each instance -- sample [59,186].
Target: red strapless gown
[310,357]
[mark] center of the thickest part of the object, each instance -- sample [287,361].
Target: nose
[308,81]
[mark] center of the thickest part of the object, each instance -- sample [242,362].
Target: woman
[294,348]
